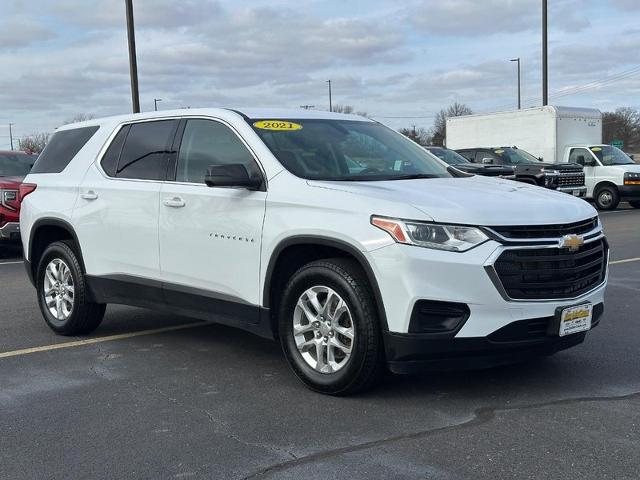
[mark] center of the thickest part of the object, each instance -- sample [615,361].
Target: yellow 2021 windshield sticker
[277,125]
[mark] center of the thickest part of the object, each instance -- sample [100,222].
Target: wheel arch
[604,183]
[44,232]
[323,247]
[528,179]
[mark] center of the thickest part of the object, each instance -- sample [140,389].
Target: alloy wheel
[323,329]
[59,289]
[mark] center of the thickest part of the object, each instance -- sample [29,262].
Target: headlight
[453,238]
[631,178]
[549,171]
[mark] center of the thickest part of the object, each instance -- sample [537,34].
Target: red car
[14,166]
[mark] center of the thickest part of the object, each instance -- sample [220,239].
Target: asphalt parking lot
[207,401]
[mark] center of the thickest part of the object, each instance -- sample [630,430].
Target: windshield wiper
[414,176]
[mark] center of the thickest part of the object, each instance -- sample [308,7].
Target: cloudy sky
[400,61]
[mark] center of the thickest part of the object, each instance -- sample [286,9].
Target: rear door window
[146,150]
[61,149]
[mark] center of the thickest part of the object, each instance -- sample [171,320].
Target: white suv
[349,243]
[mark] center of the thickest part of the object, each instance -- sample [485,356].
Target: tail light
[25,189]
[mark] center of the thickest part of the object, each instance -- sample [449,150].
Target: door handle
[89,195]
[174,202]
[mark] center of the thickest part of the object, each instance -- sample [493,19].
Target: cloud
[628,5]
[68,56]
[19,32]
[472,18]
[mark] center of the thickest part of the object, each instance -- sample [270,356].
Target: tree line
[623,124]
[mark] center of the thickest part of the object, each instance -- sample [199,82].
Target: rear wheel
[635,203]
[62,292]
[607,198]
[329,327]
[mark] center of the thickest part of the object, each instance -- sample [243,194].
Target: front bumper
[579,192]
[407,274]
[629,192]
[10,232]
[517,341]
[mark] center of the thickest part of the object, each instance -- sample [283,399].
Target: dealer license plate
[575,319]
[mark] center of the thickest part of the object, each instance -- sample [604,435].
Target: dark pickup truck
[458,161]
[565,177]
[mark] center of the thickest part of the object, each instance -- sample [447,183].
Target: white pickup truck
[557,135]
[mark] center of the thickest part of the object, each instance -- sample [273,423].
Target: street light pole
[545,78]
[155,103]
[330,104]
[11,135]
[133,63]
[518,60]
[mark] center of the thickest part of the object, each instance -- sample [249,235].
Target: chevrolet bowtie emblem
[572,242]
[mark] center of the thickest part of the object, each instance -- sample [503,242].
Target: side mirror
[232,175]
[589,162]
[541,159]
[487,161]
[630,155]
[580,159]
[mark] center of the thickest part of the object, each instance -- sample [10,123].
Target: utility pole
[330,104]
[133,63]
[307,107]
[545,78]
[518,60]
[155,103]
[11,135]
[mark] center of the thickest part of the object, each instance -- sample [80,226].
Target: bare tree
[80,117]
[623,124]
[419,135]
[440,124]
[348,109]
[34,143]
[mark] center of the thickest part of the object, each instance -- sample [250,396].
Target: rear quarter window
[61,149]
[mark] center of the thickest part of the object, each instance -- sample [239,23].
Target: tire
[60,272]
[607,198]
[634,203]
[332,280]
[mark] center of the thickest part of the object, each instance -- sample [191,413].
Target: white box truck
[558,135]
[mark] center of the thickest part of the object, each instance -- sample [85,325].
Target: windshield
[515,155]
[346,150]
[15,164]
[611,155]
[448,156]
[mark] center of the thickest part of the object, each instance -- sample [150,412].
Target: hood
[489,170]
[473,200]
[633,167]
[10,182]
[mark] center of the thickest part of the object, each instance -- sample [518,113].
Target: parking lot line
[626,260]
[10,263]
[89,341]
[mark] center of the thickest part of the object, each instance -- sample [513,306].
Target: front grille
[552,273]
[547,231]
[571,180]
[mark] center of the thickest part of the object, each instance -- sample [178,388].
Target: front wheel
[329,328]
[62,292]
[607,198]
[635,203]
